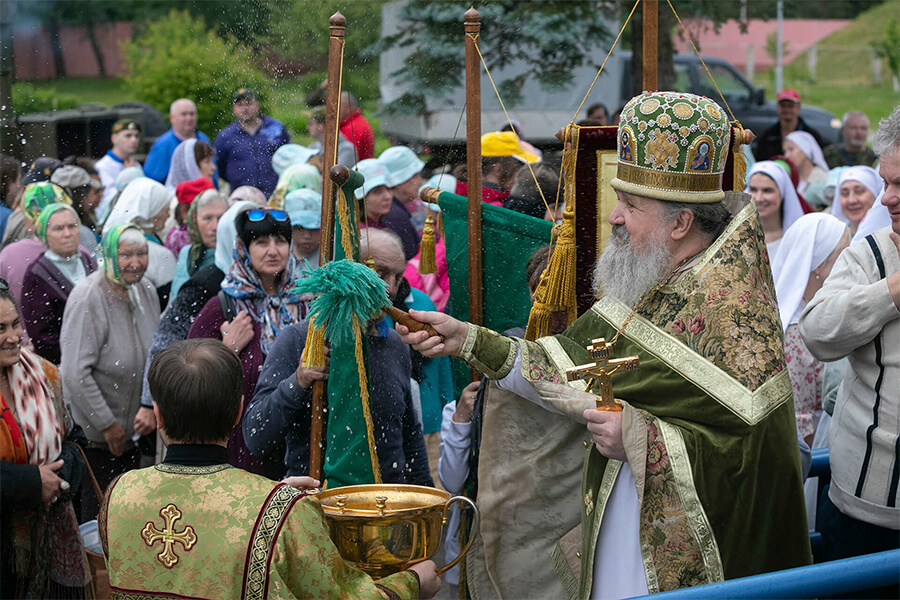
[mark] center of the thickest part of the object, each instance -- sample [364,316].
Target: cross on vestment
[599,371]
[168,536]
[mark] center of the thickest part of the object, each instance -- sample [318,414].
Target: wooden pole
[651,53]
[338,25]
[472,20]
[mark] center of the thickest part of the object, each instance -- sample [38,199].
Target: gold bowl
[385,528]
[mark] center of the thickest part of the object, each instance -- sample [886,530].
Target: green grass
[106,91]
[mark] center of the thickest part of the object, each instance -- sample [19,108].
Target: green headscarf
[198,248]
[38,196]
[43,219]
[110,245]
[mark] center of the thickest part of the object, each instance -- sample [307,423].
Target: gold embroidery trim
[559,358]
[749,406]
[268,522]
[188,470]
[467,352]
[169,536]
[610,473]
[685,182]
[738,220]
[684,481]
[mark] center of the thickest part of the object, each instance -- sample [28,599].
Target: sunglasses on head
[4,286]
[258,214]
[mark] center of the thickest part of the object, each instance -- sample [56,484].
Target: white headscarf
[877,218]
[226,234]
[866,176]
[140,201]
[809,146]
[804,248]
[790,202]
[183,166]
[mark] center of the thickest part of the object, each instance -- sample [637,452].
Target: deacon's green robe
[236,535]
[708,421]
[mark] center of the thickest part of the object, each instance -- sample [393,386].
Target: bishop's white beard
[626,276]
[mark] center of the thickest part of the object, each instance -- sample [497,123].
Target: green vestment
[708,422]
[234,535]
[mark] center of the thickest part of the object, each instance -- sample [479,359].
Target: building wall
[33,55]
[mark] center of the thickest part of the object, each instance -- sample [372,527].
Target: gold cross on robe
[168,536]
[599,371]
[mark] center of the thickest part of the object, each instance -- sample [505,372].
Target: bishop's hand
[454,333]
[605,427]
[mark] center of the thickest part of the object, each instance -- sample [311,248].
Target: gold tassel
[343,212]
[314,351]
[556,290]
[364,397]
[427,260]
[739,180]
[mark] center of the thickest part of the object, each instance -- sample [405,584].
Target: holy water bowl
[385,528]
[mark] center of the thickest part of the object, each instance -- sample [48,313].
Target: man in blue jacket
[183,116]
[244,149]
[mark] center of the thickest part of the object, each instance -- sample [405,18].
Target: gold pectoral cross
[599,371]
[168,536]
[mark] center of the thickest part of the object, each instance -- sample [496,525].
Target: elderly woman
[39,540]
[803,150]
[108,323]
[191,160]
[202,220]
[18,256]
[257,292]
[185,193]
[145,203]
[50,279]
[85,192]
[804,260]
[776,201]
[855,194]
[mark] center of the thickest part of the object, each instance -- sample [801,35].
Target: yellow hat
[505,143]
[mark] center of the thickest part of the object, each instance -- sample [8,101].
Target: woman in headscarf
[192,297]
[803,150]
[145,203]
[50,279]
[177,237]
[248,193]
[856,191]
[296,177]
[804,260]
[191,160]
[108,323]
[776,201]
[373,196]
[18,256]
[40,547]
[258,291]
[85,192]
[202,221]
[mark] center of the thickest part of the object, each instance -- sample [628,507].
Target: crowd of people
[135,290]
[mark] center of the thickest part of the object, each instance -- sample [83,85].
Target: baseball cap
[127,125]
[505,143]
[788,94]
[41,170]
[244,94]
[401,164]
[291,154]
[374,176]
[304,208]
[72,177]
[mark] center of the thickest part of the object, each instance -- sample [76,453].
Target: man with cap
[404,173]
[693,473]
[502,155]
[245,148]
[183,117]
[853,149]
[126,138]
[769,143]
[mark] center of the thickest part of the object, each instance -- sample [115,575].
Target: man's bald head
[183,116]
[386,250]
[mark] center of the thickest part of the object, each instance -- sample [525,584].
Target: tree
[178,56]
[889,47]
[551,37]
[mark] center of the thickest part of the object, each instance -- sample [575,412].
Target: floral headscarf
[43,220]
[38,196]
[243,284]
[110,246]
[303,176]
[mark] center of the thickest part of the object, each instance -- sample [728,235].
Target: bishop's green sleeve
[489,352]
[306,564]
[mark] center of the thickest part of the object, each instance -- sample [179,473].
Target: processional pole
[338,24]
[650,52]
[472,20]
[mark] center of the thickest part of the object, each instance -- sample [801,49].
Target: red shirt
[356,129]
